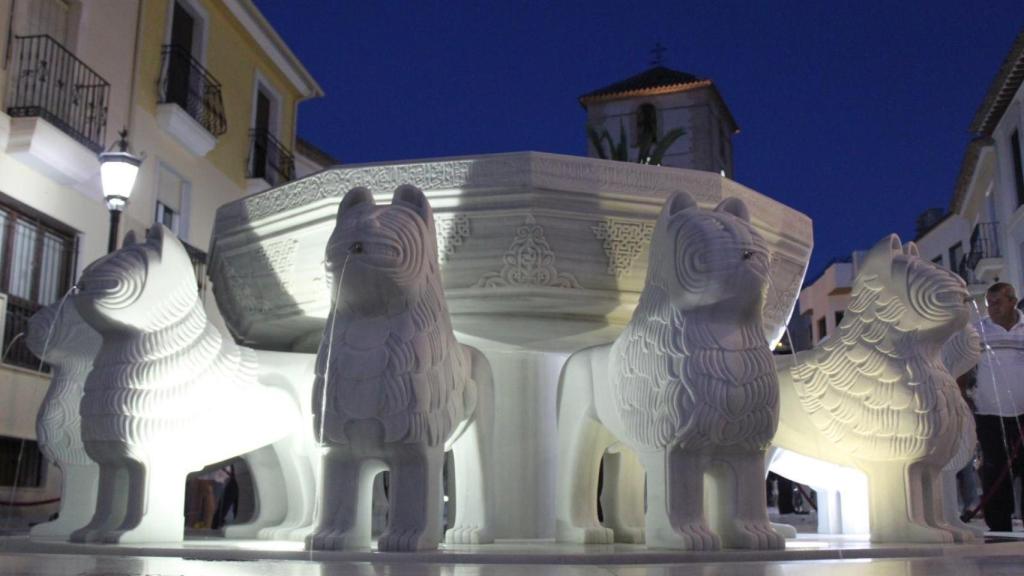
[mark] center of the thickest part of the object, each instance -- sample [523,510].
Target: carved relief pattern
[783,289]
[877,387]
[624,241]
[69,345]
[336,182]
[241,272]
[529,261]
[451,230]
[534,169]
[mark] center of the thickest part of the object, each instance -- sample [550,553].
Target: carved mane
[681,373]
[59,336]
[878,385]
[168,379]
[396,359]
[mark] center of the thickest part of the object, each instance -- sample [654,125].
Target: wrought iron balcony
[50,83]
[269,159]
[184,81]
[984,243]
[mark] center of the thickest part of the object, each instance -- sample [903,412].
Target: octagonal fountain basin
[538,251]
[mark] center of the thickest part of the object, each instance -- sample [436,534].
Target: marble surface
[538,559]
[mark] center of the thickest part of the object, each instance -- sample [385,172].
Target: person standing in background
[999,402]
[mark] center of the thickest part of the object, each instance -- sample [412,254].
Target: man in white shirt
[999,403]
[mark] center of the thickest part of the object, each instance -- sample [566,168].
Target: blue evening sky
[855,113]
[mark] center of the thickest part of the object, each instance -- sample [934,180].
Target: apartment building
[208,95]
[981,236]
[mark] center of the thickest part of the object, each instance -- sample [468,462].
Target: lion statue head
[709,258]
[900,289]
[143,287]
[382,254]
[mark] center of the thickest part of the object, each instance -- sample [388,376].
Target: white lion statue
[59,337]
[688,389]
[877,397]
[168,395]
[394,387]
[842,491]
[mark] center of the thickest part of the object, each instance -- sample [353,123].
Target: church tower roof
[656,80]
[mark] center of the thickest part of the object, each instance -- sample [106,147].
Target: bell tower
[661,116]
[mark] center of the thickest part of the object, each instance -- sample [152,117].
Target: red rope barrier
[967,516]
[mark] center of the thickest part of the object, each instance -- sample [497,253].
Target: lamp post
[118,169]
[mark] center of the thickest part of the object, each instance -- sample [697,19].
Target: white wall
[1010,215]
[829,294]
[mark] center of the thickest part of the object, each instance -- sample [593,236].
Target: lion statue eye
[748,254]
[356,248]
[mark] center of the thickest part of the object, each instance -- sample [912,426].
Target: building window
[937,260]
[172,200]
[269,158]
[1018,169]
[49,17]
[822,328]
[646,125]
[839,317]
[21,463]
[183,39]
[167,216]
[36,269]
[956,253]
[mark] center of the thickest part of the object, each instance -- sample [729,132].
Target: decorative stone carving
[876,396]
[393,387]
[574,193]
[528,329]
[784,285]
[168,394]
[276,256]
[624,241]
[451,174]
[59,336]
[451,231]
[529,261]
[689,387]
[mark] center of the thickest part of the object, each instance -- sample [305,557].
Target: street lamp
[118,169]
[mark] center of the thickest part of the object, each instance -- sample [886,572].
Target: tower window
[646,125]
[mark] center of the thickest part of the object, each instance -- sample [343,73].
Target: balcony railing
[269,159]
[50,83]
[984,243]
[185,82]
[15,350]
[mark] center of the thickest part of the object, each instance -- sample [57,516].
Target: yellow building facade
[208,94]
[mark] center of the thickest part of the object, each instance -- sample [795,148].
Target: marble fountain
[539,256]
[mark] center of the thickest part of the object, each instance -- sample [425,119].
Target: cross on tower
[657,54]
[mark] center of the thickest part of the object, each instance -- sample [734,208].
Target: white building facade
[982,236]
